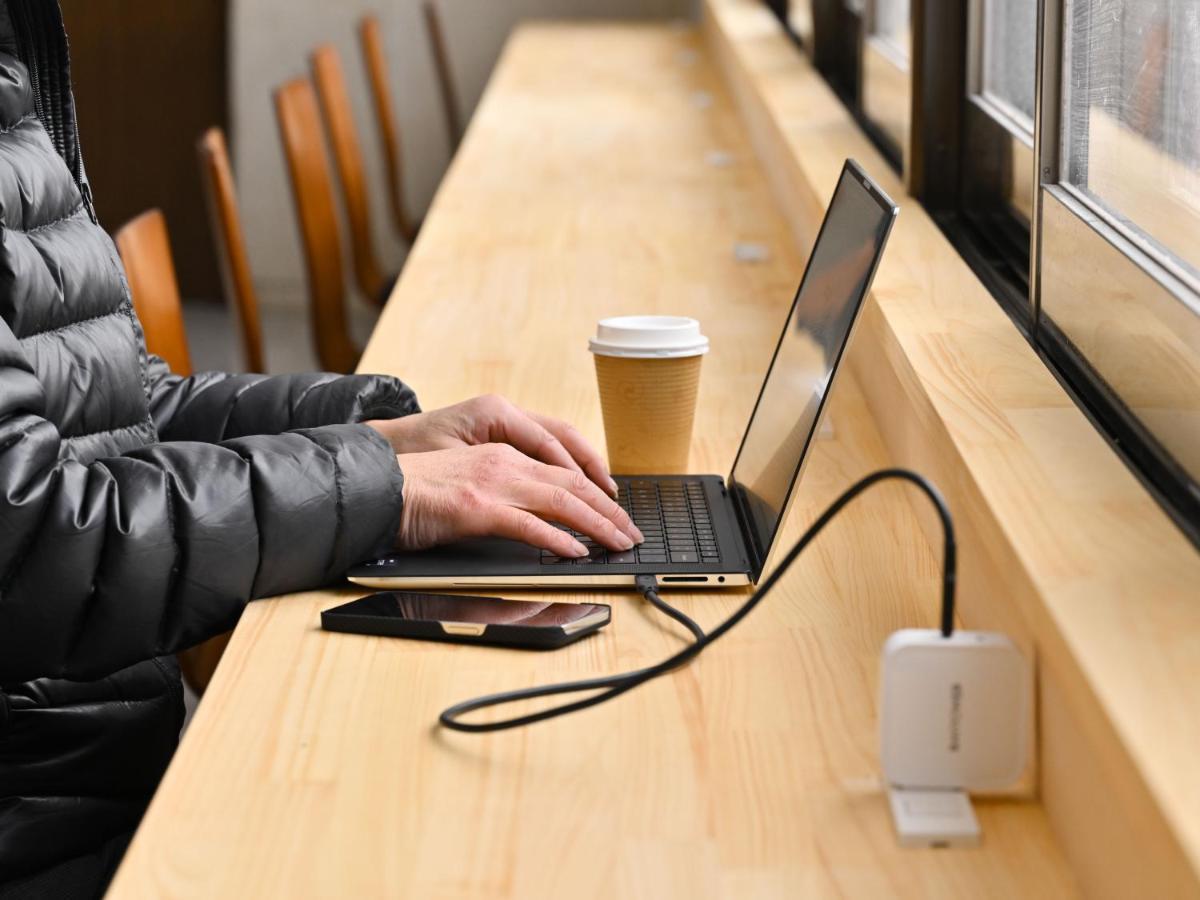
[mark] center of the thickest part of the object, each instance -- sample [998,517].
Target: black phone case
[530,637]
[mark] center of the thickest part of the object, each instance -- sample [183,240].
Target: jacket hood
[33,31]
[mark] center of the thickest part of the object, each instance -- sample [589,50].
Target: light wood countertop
[1061,545]
[313,767]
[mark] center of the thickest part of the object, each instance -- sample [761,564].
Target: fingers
[580,450]
[595,500]
[519,525]
[558,504]
[496,489]
[559,495]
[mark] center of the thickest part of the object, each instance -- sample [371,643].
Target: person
[141,510]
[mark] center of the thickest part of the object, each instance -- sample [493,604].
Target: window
[999,121]
[861,47]
[1119,269]
[1009,35]
[1057,144]
[1132,122]
[890,26]
[839,40]
[800,21]
[886,82]
[973,147]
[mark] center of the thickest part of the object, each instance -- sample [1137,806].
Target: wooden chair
[330,82]
[145,250]
[230,241]
[312,190]
[371,40]
[441,62]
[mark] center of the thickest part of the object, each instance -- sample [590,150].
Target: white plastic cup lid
[648,337]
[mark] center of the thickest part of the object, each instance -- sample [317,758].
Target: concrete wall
[269,43]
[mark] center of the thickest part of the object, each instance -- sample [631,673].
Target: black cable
[614,685]
[648,585]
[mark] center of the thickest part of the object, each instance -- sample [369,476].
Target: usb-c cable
[611,686]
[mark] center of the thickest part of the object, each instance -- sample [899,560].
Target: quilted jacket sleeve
[140,555]
[214,406]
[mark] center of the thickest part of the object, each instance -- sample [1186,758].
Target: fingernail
[612,487]
[638,537]
[579,549]
[626,542]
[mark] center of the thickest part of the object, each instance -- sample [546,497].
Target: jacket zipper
[85,188]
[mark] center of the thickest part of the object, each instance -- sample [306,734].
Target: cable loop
[611,686]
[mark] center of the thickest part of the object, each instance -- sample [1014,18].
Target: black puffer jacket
[139,511]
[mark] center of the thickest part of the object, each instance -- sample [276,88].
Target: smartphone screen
[484,610]
[485,619]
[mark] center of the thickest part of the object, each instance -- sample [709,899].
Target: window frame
[800,22]
[964,160]
[1072,231]
[1000,196]
[1003,122]
[835,47]
[885,71]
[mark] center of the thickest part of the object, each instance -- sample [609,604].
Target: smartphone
[468,620]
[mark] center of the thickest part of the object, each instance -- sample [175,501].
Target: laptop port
[666,579]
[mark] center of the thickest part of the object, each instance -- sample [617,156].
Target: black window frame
[968,169]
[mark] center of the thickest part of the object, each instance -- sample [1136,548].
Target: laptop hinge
[742,516]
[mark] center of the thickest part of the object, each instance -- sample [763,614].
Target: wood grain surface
[1061,546]
[313,768]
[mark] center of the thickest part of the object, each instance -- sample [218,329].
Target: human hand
[491,419]
[494,489]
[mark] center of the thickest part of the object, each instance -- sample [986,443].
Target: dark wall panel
[149,77]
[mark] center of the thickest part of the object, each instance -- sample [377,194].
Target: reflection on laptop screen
[834,285]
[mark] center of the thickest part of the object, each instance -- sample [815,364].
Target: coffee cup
[648,372]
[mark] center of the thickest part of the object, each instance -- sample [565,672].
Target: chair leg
[441,60]
[200,662]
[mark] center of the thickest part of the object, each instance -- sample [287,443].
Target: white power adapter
[954,718]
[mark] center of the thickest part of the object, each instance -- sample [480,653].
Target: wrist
[392,431]
[416,530]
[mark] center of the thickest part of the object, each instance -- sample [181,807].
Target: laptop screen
[831,293]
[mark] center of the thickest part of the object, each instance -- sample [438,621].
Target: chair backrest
[230,241]
[441,62]
[371,40]
[312,190]
[146,253]
[330,82]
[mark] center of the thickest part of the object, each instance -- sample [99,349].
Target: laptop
[706,530]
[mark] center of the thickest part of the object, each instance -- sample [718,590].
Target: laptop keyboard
[673,515]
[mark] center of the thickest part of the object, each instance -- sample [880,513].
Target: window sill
[1061,545]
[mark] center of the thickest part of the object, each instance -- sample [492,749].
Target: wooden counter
[313,767]
[1060,545]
